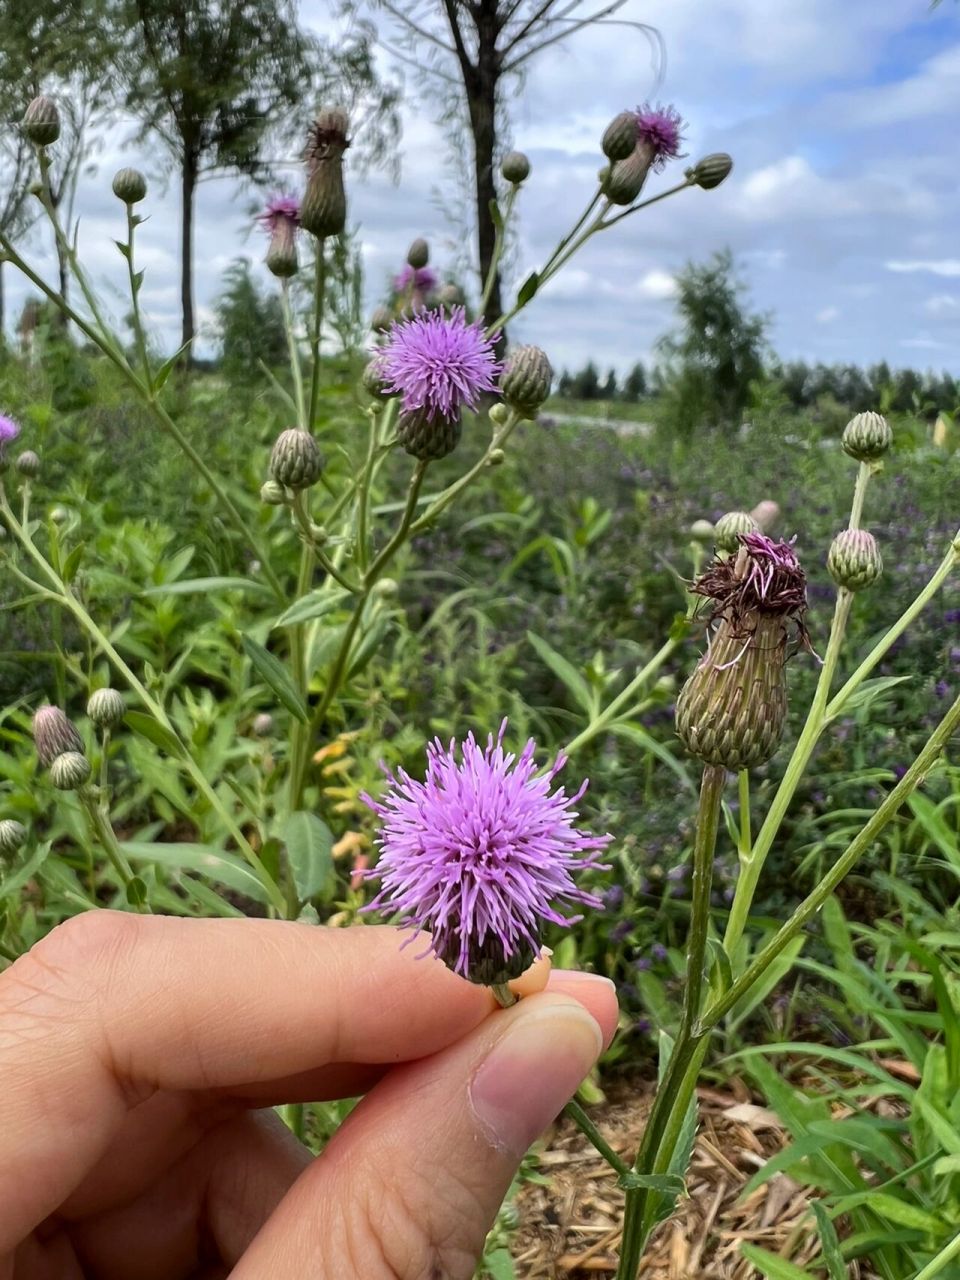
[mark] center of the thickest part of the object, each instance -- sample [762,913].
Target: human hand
[139,1057]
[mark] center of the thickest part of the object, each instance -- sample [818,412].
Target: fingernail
[532,1071]
[573,977]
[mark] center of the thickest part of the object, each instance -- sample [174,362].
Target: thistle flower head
[54,735]
[9,430]
[438,363]
[481,854]
[660,128]
[421,279]
[281,211]
[764,577]
[326,137]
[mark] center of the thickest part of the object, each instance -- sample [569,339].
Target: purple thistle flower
[281,210]
[481,853]
[661,128]
[421,279]
[438,363]
[659,952]
[9,430]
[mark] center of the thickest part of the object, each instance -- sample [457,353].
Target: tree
[250,324]
[476,48]
[209,79]
[719,350]
[609,389]
[586,384]
[635,384]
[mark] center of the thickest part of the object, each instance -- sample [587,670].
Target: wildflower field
[360,622]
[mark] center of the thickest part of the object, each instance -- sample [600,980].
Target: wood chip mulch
[570,1230]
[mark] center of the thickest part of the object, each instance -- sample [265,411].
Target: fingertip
[597,994]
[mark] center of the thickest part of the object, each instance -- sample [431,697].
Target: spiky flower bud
[515,167]
[281,257]
[70,771]
[296,460]
[382,320]
[418,255]
[106,708]
[711,170]
[731,712]
[41,121]
[28,463]
[730,527]
[867,437]
[273,494]
[854,560]
[374,382]
[625,180]
[427,436]
[13,835]
[526,380]
[323,210]
[620,136]
[263,724]
[53,734]
[129,185]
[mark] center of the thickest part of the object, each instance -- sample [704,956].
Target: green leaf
[204,586]
[72,562]
[14,883]
[830,1243]
[137,281]
[528,289]
[168,366]
[496,217]
[866,694]
[210,864]
[275,675]
[648,743]
[313,605]
[147,727]
[124,249]
[772,1266]
[664,1182]
[136,892]
[309,843]
[565,672]
[499,1265]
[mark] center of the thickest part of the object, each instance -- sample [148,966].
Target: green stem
[645,204]
[498,244]
[363,494]
[138,333]
[590,1131]
[751,864]
[704,846]
[73,605]
[443,500]
[100,823]
[864,839]
[746,834]
[859,493]
[319,289]
[299,732]
[623,698]
[503,995]
[936,1265]
[295,371]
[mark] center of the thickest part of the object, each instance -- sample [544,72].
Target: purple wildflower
[280,210]
[481,853]
[421,279]
[438,363]
[661,128]
[659,952]
[9,430]
[621,931]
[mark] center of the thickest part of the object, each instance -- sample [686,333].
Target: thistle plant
[484,852]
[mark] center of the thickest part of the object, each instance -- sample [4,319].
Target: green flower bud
[451,295]
[495,458]
[323,210]
[106,708]
[702,531]
[374,382]
[386,588]
[428,438]
[59,515]
[626,177]
[711,170]
[70,771]
[263,724]
[515,167]
[526,380]
[273,494]
[867,437]
[854,560]
[281,259]
[129,185]
[41,121]
[620,136]
[729,528]
[296,460]
[53,734]
[28,463]
[381,320]
[12,836]
[418,255]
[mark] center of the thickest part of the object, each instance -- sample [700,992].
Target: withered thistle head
[732,710]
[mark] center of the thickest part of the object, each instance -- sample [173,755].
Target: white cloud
[828,315]
[936,266]
[657,284]
[922,343]
[942,303]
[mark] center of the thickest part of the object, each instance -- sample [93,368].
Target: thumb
[411,1183]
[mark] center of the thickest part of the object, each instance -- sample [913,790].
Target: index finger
[111,1007]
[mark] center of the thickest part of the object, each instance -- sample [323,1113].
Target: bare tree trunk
[187,189]
[482,100]
[3,310]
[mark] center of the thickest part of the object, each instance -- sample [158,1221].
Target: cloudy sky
[842,210]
